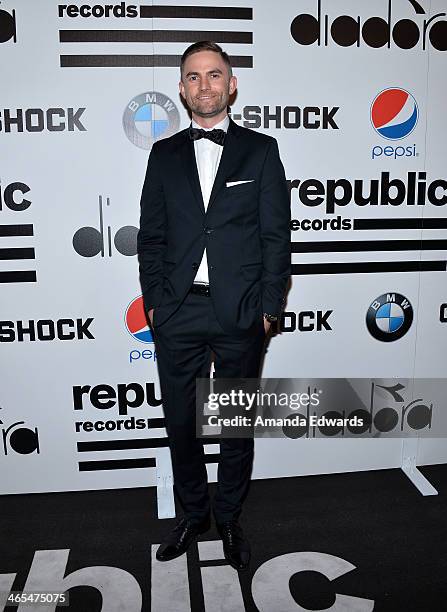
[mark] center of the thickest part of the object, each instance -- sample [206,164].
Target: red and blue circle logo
[394,113]
[136,321]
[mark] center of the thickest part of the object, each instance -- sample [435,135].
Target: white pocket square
[234,183]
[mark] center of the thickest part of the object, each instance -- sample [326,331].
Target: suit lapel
[188,156]
[229,156]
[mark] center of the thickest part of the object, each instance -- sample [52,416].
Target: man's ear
[233,85]
[181,89]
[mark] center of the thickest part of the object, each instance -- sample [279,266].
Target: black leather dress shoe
[178,541]
[236,547]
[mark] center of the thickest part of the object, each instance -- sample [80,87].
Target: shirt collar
[222,125]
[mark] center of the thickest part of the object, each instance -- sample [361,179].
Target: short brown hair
[205,45]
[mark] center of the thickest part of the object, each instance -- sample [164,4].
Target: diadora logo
[389,317]
[150,117]
[89,241]
[8,26]
[394,115]
[377,32]
[19,439]
[384,409]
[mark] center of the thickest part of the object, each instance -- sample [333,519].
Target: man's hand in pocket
[150,314]
[267,326]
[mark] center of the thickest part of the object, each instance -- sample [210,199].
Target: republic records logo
[149,117]
[389,317]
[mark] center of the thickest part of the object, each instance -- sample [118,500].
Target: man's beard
[203,110]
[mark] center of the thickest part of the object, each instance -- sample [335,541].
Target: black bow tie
[217,136]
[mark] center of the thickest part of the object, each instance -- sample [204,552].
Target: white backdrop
[70,161]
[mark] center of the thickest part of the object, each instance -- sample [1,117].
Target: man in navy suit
[214,251]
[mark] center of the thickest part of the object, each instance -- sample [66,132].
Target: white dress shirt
[208,156]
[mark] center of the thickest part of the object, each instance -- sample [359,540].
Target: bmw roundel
[394,113]
[389,317]
[149,117]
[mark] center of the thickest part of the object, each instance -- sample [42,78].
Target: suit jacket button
[207,230]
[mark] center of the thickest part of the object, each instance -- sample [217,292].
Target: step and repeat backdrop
[354,91]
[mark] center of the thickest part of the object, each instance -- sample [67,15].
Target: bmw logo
[149,117]
[394,113]
[389,317]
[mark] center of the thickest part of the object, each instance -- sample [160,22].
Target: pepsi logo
[394,113]
[136,321]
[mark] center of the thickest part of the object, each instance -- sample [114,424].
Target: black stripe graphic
[195,12]
[348,246]
[138,61]
[152,36]
[116,464]
[369,267]
[17,253]
[214,563]
[19,276]
[212,457]
[25,229]
[105,445]
[414,223]
[156,422]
